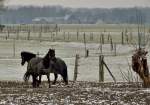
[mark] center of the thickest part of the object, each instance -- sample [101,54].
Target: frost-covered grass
[88,69]
[78,93]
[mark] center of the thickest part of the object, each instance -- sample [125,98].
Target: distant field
[77,27]
[75,32]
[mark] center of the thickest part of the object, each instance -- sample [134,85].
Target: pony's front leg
[38,81]
[34,81]
[40,76]
[56,76]
[48,77]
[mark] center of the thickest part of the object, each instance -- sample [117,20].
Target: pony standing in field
[56,66]
[38,66]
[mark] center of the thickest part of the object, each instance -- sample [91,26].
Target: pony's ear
[54,50]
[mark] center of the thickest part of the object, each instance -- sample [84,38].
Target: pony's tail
[26,76]
[65,76]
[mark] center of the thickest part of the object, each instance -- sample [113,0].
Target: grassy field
[76,32]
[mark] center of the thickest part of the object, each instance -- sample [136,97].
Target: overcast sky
[83,3]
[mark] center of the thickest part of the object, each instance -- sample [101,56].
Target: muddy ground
[78,93]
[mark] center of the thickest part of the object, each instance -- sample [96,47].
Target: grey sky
[83,3]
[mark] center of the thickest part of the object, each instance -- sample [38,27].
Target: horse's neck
[28,59]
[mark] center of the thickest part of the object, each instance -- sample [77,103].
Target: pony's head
[26,57]
[49,56]
[51,53]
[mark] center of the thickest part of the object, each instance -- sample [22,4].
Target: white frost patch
[146,90]
[2,102]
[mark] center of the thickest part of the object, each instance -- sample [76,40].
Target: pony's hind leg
[34,81]
[66,81]
[48,77]
[65,78]
[38,81]
[56,76]
[40,76]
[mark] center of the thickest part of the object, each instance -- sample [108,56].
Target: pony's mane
[27,55]
[46,59]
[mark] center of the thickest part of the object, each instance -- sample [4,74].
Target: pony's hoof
[54,83]
[66,83]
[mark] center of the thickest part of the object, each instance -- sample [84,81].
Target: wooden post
[101,69]
[108,38]
[64,36]
[131,37]
[53,35]
[38,54]
[84,43]
[40,36]
[76,68]
[91,36]
[111,44]
[115,50]
[17,35]
[14,48]
[102,38]
[68,36]
[56,29]
[28,35]
[109,71]
[101,49]
[77,35]
[87,53]
[122,38]
[127,39]
[7,36]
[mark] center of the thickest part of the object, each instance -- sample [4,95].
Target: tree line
[60,15]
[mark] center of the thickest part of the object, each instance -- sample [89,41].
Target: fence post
[87,53]
[64,36]
[14,47]
[8,34]
[68,36]
[38,54]
[131,37]
[101,68]
[111,44]
[108,38]
[17,34]
[122,38]
[40,36]
[85,45]
[91,36]
[28,35]
[101,49]
[76,68]
[115,49]
[113,77]
[102,38]
[77,35]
